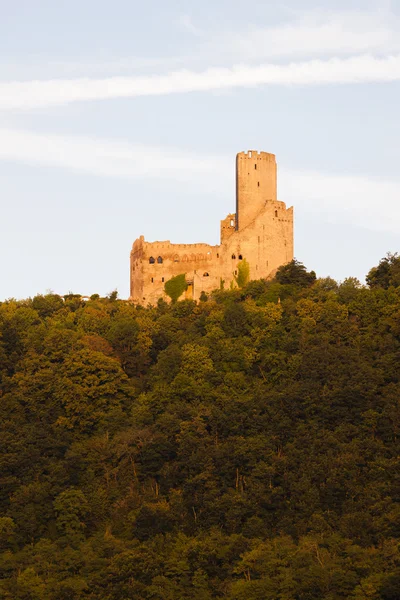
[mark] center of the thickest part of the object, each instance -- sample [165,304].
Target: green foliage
[47,305]
[175,287]
[71,508]
[295,273]
[112,296]
[243,275]
[386,274]
[203,296]
[243,448]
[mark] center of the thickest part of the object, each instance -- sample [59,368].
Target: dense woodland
[245,447]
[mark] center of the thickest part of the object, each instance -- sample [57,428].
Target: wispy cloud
[316,33]
[333,198]
[42,94]
[185,22]
[301,37]
[344,199]
[106,158]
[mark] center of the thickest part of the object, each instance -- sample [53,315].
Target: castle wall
[266,243]
[199,262]
[261,232]
[256,183]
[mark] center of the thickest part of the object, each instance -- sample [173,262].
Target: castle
[260,232]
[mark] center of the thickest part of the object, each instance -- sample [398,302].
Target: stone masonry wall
[261,232]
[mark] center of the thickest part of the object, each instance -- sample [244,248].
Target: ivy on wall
[175,287]
[243,276]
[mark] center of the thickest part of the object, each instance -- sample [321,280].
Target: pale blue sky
[116,117]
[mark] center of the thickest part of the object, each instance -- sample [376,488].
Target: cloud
[185,22]
[343,199]
[302,36]
[106,158]
[316,33]
[42,94]
[337,199]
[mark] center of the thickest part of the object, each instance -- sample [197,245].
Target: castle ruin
[261,231]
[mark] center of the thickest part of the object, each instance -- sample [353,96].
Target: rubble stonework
[261,231]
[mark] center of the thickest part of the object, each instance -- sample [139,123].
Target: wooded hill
[245,447]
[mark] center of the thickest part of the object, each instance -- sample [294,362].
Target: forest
[245,447]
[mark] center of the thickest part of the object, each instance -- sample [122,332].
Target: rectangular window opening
[255,167]
[162,279]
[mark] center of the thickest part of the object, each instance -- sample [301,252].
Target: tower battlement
[255,154]
[261,231]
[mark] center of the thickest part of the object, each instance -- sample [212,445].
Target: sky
[120,119]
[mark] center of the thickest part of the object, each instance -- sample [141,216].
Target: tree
[71,508]
[175,287]
[243,275]
[112,296]
[295,273]
[386,274]
[246,448]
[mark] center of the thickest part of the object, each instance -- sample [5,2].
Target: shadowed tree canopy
[386,274]
[295,273]
[240,448]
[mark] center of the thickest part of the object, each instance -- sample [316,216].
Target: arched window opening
[176,258]
[240,257]
[206,274]
[232,223]
[159,260]
[233,256]
[276,213]
[217,255]
[152,260]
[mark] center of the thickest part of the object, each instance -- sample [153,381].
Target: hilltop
[242,447]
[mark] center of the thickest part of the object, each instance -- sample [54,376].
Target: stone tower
[260,233]
[255,185]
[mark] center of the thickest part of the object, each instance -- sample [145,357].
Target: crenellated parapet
[260,232]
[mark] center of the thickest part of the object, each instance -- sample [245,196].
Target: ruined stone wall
[154,263]
[256,183]
[267,242]
[261,232]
